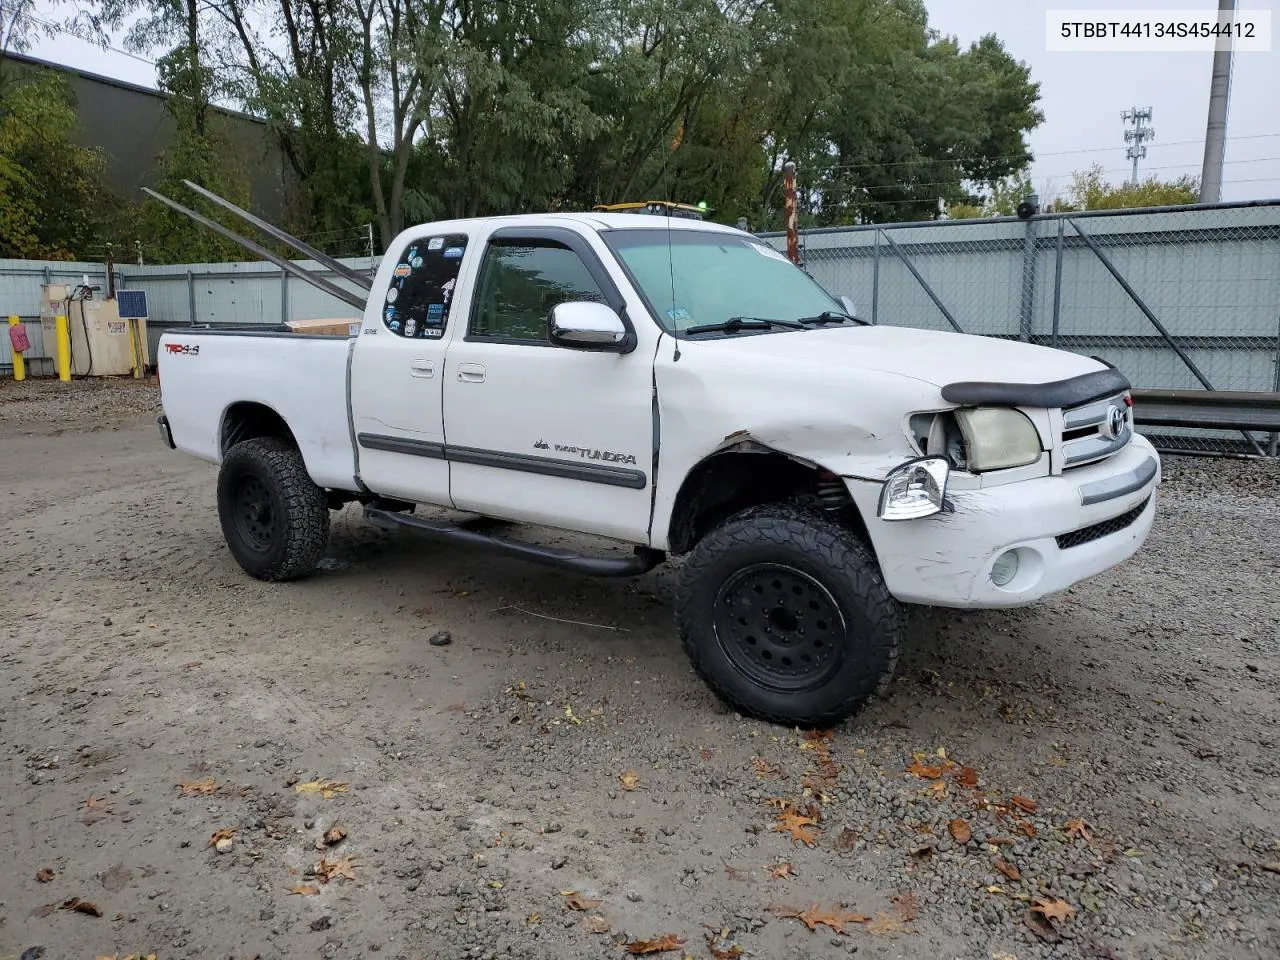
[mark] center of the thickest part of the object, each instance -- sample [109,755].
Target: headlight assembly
[996,438]
[914,490]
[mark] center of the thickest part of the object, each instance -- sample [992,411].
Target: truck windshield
[704,279]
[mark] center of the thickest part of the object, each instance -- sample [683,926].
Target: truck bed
[301,377]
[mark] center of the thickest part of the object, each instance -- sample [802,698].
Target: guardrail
[1209,410]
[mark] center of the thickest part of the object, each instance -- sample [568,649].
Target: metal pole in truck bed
[346,296]
[305,249]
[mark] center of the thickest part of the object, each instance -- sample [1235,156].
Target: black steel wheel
[785,616]
[779,626]
[274,517]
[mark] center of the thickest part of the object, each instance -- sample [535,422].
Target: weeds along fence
[1175,297]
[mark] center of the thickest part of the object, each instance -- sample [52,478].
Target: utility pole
[789,209]
[1215,137]
[1138,136]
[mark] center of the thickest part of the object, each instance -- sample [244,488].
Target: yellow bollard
[19,366]
[134,352]
[63,354]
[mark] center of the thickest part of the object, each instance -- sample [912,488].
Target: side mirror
[849,306]
[587,325]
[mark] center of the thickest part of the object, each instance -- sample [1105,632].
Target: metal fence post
[1028,282]
[191,297]
[911,267]
[1275,437]
[875,281]
[1057,284]
[284,297]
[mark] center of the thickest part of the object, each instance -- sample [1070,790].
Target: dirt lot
[1114,748]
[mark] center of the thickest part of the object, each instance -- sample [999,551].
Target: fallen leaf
[761,767]
[1000,841]
[966,777]
[1051,908]
[82,906]
[906,905]
[663,944]
[44,874]
[800,825]
[305,891]
[1041,927]
[722,953]
[923,772]
[781,871]
[733,873]
[960,831]
[1078,828]
[995,889]
[1024,804]
[1058,761]
[575,901]
[1008,869]
[327,870]
[706,753]
[883,924]
[847,840]
[496,884]
[533,919]
[569,715]
[594,923]
[828,736]
[331,837]
[191,788]
[326,788]
[222,833]
[1027,827]
[628,779]
[812,917]
[98,803]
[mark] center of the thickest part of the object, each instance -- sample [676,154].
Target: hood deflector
[1062,393]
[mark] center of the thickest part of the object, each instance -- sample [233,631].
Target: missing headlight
[938,435]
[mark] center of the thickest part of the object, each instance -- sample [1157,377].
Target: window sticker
[422,286]
[679,314]
[766,251]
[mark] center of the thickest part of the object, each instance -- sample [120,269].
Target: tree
[53,203]
[1089,191]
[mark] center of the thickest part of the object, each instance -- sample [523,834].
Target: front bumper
[1064,528]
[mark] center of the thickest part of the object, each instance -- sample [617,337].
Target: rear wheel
[274,518]
[784,614]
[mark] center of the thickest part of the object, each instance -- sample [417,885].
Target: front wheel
[274,517]
[785,616]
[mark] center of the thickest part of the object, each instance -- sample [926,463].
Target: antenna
[1138,136]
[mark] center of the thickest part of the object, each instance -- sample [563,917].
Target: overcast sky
[1082,94]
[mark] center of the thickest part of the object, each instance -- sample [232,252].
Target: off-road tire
[274,518]
[821,599]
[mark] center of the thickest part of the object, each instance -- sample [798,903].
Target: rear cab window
[420,296]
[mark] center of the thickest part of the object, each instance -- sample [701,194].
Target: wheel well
[749,475]
[246,421]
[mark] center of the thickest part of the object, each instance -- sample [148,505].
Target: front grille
[1085,535]
[1087,436]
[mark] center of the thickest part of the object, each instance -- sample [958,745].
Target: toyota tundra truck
[682,388]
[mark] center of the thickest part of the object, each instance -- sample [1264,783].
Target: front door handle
[471,372]
[422,368]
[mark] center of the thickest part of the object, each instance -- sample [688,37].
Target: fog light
[1005,568]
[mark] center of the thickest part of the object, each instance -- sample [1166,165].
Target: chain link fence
[1175,297]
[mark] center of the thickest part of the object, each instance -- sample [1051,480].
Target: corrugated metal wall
[252,292]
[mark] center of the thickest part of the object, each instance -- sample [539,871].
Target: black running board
[641,562]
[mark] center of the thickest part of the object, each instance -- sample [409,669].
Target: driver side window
[520,282]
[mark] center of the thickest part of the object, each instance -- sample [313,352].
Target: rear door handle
[471,372]
[422,368]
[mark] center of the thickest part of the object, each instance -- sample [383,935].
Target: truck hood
[927,355]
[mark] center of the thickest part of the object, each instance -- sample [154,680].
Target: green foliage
[400,111]
[1089,191]
[1005,196]
[53,203]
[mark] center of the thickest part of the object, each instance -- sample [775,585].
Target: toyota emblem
[1114,425]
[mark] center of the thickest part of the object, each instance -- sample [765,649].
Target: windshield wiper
[829,316]
[734,324]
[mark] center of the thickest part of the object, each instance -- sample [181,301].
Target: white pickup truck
[681,387]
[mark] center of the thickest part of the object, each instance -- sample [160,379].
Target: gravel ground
[1109,755]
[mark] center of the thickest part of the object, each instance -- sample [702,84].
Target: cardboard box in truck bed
[340,328]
